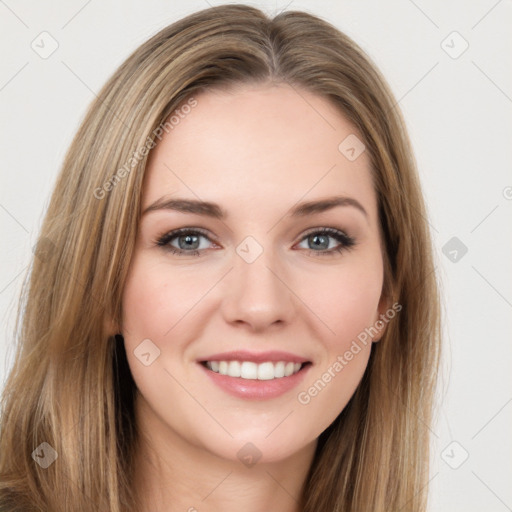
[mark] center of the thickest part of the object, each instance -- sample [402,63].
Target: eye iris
[190,239]
[314,239]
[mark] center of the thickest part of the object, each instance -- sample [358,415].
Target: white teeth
[288,369]
[223,367]
[266,371]
[234,369]
[250,370]
[279,369]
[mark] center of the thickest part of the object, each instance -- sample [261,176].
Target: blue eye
[189,241]
[320,240]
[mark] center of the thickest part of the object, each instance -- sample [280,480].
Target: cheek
[156,306]
[155,299]
[348,309]
[346,300]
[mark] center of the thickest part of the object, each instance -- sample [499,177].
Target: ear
[382,317]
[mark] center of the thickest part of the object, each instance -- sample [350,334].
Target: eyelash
[346,242]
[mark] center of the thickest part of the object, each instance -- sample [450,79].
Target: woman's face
[264,282]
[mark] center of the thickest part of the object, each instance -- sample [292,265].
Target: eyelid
[164,239]
[345,241]
[324,229]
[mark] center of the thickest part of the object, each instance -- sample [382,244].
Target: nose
[257,294]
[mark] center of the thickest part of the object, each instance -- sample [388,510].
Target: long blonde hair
[70,385]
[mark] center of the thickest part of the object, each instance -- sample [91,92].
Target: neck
[172,474]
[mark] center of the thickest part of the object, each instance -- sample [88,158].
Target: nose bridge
[256,293]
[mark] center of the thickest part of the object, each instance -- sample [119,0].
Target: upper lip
[255,357]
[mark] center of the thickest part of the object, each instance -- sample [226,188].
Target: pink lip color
[260,357]
[256,389]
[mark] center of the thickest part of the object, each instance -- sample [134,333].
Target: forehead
[258,144]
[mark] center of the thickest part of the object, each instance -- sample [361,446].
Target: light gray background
[458,112]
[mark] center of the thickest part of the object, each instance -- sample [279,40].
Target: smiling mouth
[253,371]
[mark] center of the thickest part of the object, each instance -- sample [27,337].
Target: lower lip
[256,389]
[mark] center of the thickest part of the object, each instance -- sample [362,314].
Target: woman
[232,303]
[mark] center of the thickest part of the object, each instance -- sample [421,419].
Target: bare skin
[256,151]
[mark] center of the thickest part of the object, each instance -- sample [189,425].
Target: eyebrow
[210,209]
